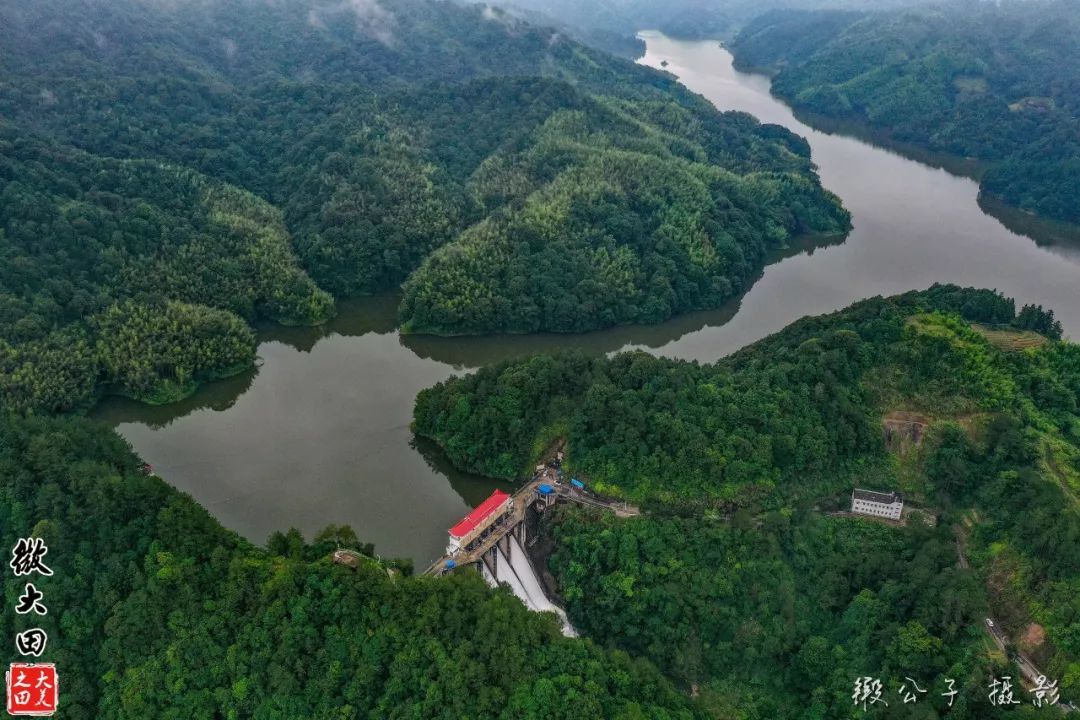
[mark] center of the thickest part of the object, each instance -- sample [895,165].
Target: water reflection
[473,352]
[321,436]
[216,397]
[377,315]
[355,318]
[473,489]
[1060,238]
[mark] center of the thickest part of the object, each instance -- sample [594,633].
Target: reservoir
[319,434]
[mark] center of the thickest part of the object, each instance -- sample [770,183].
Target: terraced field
[1010,340]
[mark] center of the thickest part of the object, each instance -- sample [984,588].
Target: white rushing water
[518,573]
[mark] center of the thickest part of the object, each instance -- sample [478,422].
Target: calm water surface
[320,432]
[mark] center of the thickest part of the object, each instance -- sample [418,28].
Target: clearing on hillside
[904,429]
[1010,340]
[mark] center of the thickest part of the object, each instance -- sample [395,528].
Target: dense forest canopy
[993,81]
[735,577]
[121,269]
[260,158]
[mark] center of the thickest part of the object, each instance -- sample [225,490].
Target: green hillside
[132,276]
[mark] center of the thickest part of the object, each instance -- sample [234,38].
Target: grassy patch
[552,434]
[1058,464]
[891,389]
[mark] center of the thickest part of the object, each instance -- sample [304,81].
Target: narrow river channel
[320,433]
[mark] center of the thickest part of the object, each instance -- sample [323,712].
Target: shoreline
[1043,230]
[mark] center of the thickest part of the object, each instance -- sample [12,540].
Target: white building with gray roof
[877,504]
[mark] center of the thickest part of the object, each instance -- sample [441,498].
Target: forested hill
[738,580]
[358,139]
[993,81]
[156,611]
[132,277]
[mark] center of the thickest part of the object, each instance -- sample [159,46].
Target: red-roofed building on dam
[476,524]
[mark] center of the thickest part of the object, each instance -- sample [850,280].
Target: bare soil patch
[904,430]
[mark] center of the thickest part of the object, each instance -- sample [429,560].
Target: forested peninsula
[995,82]
[176,171]
[739,581]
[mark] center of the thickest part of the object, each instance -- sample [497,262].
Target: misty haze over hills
[679,18]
